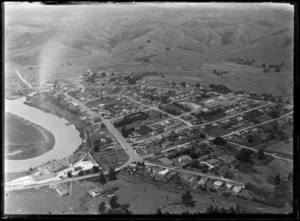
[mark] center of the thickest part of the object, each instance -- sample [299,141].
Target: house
[133,165]
[203,181]
[209,102]
[240,118]
[62,189]
[163,172]
[192,179]
[157,155]
[183,158]
[96,191]
[166,144]
[186,177]
[213,162]
[229,186]
[218,184]
[237,189]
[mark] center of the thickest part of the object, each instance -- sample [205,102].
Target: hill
[147,35]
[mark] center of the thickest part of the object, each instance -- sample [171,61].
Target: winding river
[67,138]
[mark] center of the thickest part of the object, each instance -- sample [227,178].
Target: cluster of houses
[165,126]
[160,174]
[164,141]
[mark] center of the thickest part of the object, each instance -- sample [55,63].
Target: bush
[244,155]
[228,174]
[187,199]
[219,141]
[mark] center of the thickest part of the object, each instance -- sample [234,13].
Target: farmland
[24,139]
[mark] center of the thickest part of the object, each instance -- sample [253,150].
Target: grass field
[24,139]
[281,147]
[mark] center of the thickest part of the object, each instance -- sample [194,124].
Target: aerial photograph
[148,109]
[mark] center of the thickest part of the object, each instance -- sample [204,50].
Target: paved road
[196,173]
[24,80]
[128,149]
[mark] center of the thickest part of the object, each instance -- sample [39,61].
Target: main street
[127,148]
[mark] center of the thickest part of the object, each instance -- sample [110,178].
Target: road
[168,149]
[256,125]
[24,80]
[127,148]
[133,156]
[196,173]
[266,153]
[203,124]
[159,110]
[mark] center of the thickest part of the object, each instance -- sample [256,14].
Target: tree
[124,132]
[197,84]
[131,80]
[204,169]
[102,178]
[103,74]
[95,169]
[274,114]
[277,69]
[219,141]
[125,207]
[102,208]
[214,71]
[112,173]
[228,174]
[167,48]
[263,65]
[250,138]
[173,83]
[183,84]
[178,180]
[272,137]
[148,41]
[80,173]
[278,179]
[187,199]
[164,99]
[261,154]
[244,155]
[113,202]
[279,100]
[158,211]
[69,174]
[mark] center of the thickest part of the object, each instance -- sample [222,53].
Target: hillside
[148,35]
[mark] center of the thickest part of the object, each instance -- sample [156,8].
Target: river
[67,138]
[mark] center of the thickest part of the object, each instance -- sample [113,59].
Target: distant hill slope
[191,36]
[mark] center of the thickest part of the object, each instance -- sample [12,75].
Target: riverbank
[25,139]
[41,104]
[67,137]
